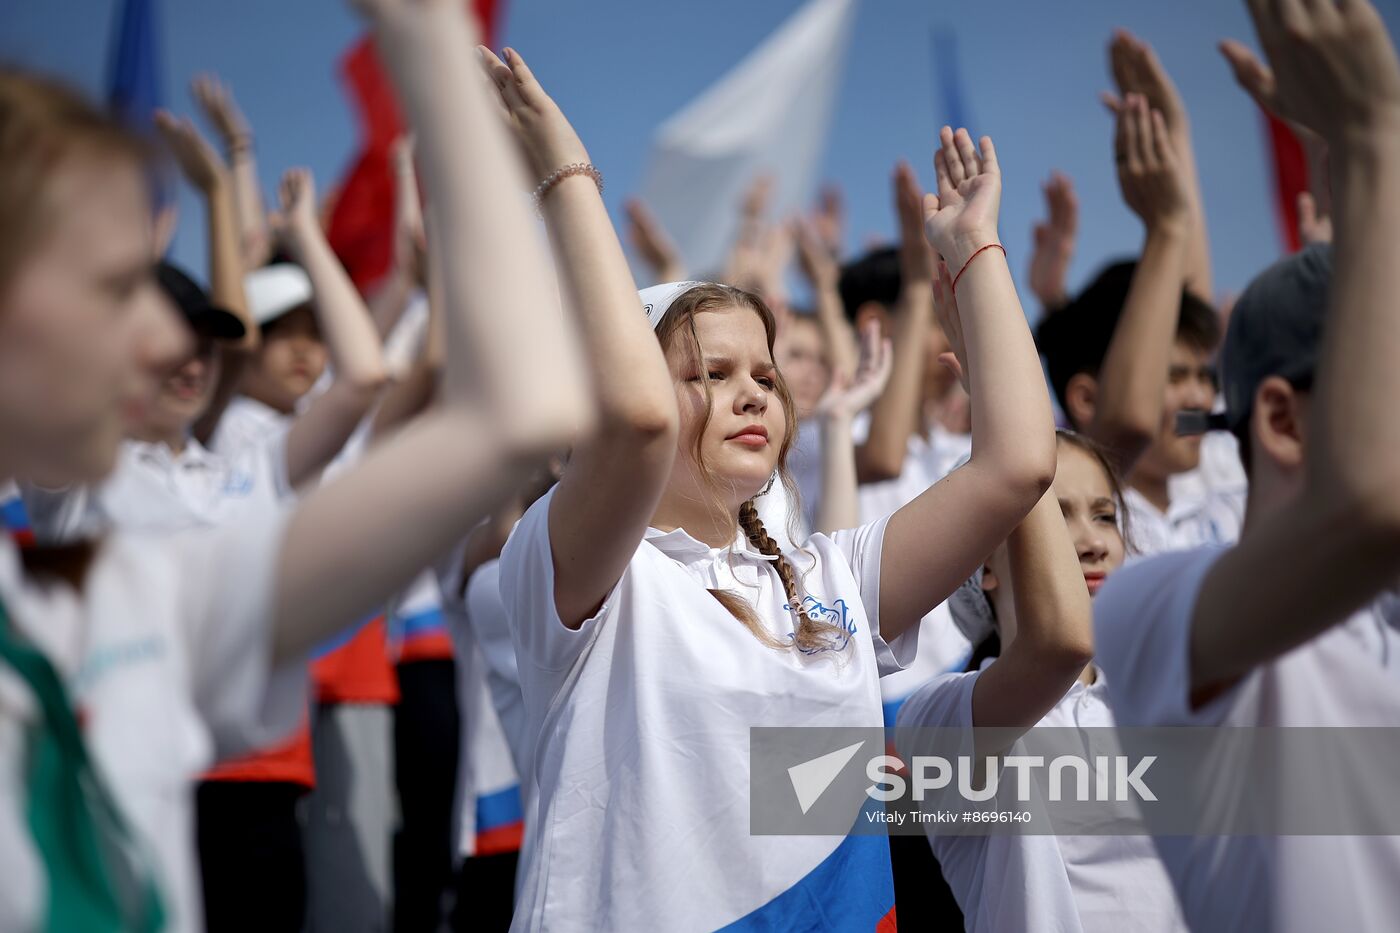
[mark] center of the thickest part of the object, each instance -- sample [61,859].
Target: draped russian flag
[361,228]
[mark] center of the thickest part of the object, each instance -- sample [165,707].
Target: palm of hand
[968,209]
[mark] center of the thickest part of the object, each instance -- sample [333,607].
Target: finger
[1111,101]
[972,166]
[956,171]
[930,207]
[1307,211]
[988,155]
[1142,126]
[501,76]
[907,198]
[1118,61]
[1120,135]
[525,80]
[1161,142]
[1132,148]
[1250,73]
[944,177]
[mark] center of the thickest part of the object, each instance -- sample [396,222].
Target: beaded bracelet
[574,168]
[974,256]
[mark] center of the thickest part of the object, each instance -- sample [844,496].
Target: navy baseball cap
[1275,330]
[204,317]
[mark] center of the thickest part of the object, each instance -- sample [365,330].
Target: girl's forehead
[732,329]
[1079,473]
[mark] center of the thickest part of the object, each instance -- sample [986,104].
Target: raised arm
[1137,70]
[1054,625]
[1133,378]
[896,414]
[651,242]
[392,295]
[356,355]
[254,241]
[513,386]
[935,542]
[846,398]
[1053,243]
[615,478]
[819,266]
[1334,71]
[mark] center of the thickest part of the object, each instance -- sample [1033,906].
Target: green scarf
[91,859]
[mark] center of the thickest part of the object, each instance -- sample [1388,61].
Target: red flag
[1290,165]
[361,223]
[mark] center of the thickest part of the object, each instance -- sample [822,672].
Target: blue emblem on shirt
[238,483]
[835,615]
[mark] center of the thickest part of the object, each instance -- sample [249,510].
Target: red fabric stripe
[887,923]
[361,229]
[430,646]
[501,839]
[1290,165]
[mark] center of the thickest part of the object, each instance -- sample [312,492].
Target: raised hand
[1149,170]
[1136,70]
[297,216]
[1334,70]
[652,243]
[410,240]
[916,257]
[829,219]
[962,217]
[814,256]
[222,111]
[545,135]
[945,309]
[849,395]
[199,162]
[1053,240]
[1314,226]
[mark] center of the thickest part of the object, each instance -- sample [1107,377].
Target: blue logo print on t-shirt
[836,615]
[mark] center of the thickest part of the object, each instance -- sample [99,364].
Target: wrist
[963,246]
[1173,227]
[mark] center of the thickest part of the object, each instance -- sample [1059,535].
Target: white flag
[770,114]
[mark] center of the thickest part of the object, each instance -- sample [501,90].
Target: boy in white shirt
[1276,631]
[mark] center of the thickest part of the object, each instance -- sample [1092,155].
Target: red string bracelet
[974,256]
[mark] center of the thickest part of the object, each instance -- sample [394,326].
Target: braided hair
[809,635]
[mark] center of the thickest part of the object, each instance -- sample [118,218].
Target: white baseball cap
[274,290]
[657,300]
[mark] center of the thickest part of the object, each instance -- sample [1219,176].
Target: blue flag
[134,72]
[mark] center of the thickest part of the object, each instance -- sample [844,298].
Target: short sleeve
[1142,640]
[861,547]
[527,591]
[945,701]
[228,580]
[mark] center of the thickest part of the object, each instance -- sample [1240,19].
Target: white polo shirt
[166,652]
[1056,884]
[1348,676]
[152,489]
[1215,518]
[246,423]
[641,820]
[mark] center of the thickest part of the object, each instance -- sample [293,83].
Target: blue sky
[1031,71]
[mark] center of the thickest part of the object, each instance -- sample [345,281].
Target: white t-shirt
[641,816]
[1348,676]
[152,489]
[246,423]
[166,652]
[1064,884]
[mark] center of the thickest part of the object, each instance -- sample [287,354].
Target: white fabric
[152,489]
[1216,518]
[641,816]
[246,423]
[166,653]
[769,114]
[1056,884]
[274,290]
[1348,676]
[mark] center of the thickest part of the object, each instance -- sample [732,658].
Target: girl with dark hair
[1028,609]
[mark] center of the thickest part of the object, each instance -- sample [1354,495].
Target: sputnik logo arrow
[811,778]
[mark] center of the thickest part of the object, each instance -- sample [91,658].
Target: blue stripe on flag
[500,808]
[852,889]
[13,516]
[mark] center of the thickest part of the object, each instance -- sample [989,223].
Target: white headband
[657,300]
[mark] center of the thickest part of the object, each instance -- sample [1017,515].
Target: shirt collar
[194,454]
[680,546]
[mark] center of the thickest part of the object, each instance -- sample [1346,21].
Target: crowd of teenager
[451,603]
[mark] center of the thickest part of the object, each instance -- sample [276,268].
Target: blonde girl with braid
[656,622]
